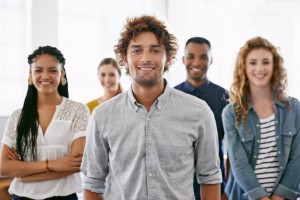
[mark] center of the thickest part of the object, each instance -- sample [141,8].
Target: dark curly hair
[27,128]
[145,23]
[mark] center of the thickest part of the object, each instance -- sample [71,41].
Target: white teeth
[45,83]
[259,75]
[195,69]
[146,69]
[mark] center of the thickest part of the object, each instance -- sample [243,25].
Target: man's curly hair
[145,23]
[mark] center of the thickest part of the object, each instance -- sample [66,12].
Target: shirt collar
[159,103]
[276,103]
[192,89]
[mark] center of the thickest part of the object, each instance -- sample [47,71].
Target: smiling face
[109,78]
[46,72]
[146,59]
[259,68]
[197,59]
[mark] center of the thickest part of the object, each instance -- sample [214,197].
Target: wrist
[47,165]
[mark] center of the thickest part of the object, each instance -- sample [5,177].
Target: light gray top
[134,154]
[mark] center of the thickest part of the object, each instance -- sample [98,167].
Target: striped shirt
[267,167]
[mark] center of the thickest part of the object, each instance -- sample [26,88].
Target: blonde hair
[240,91]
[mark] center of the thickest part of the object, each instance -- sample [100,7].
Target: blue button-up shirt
[243,148]
[132,154]
[217,98]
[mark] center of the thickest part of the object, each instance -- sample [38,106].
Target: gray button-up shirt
[132,154]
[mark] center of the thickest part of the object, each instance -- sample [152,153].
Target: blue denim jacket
[243,150]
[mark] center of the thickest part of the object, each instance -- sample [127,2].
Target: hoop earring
[30,80]
[63,80]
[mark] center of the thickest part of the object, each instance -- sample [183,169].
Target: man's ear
[211,62]
[168,62]
[183,60]
[124,60]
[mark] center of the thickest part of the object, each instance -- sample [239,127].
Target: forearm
[210,191]
[16,168]
[44,176]
[88,195]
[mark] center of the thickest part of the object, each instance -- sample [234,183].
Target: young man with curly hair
[148,142]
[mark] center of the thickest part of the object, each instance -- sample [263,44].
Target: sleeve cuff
[8,142]
[93,185]
[212,179]
[78,135]
[285,192]
[255,193]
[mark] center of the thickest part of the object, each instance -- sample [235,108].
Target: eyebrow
[48,68]
[152,46]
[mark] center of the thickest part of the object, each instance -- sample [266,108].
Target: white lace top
[69,122]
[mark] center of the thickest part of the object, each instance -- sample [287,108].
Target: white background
[87,30]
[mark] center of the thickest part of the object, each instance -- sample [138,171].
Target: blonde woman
[109,74]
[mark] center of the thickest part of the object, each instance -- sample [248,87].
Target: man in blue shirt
[197,59]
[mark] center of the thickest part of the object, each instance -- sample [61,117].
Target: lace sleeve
[10,132]
[80,121]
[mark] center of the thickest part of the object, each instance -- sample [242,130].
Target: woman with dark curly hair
[44,141]
[262,127]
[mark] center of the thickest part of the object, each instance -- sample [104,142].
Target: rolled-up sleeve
[207,152]
[95,159]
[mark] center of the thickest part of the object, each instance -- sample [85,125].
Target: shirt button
[277,137]
[257,125]
[254,156]
[290,133]
[281,167]
[158,107]
[278,152]
[149,146]
[150,174]
[257,141]
[243,139]
[147,119]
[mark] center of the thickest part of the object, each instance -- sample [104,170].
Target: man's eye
[135,51]
[156,51]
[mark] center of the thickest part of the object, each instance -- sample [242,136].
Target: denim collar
[276,103]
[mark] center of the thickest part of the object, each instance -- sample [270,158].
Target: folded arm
[11,166]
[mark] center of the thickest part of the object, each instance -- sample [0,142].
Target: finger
[78,155]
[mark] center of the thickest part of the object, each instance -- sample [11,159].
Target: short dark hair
[198,40]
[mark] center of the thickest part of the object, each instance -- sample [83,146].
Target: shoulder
[180,86]
[14,118]
[16,113]
[114,103]
[217,88]
[74,106]
[228,109]
[183,98]
[92,103]
[294,102]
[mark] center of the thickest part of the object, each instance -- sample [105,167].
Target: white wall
[86,31]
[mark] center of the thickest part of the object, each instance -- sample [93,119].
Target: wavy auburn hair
[145,23]
[240,89]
